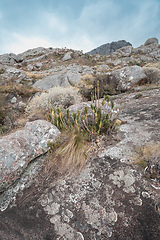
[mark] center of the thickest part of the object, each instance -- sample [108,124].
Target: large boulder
[10,58]
[57,80]
[20,148]
[151,41]
[125,51]
[125,78]
[67,56]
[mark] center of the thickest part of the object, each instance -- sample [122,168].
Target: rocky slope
[112,197]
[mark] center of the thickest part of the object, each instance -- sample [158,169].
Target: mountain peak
[108,48]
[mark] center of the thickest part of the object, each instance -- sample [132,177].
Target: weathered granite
[21,147]
[151,41]
[109,199]
[125,78]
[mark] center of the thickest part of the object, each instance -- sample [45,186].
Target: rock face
[21,147]
[108,199]
[151,41]
[108,48]
[67,56]
[125,78]
[63,77]
[10,58]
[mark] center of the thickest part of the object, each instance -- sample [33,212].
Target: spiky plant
[81,126]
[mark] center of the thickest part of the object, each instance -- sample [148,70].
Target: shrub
[2,70]
[24,90]
[86,86]
[55,97]
[89,82]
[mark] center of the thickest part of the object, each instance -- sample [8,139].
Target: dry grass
[21,90]
[68,154]
[34,75]
[148,157]
[153,74]
[54,98]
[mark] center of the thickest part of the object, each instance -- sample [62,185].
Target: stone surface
[125,78]
[125,51]
[109,199]
[151,41]
[67,56]
[108,48]
[62,77]
[21,147]
[10,58]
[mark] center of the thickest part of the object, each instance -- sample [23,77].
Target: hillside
[107,186]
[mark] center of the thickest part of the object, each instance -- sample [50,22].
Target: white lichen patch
[120,179]
[52,209]
[98,218]
[64,229]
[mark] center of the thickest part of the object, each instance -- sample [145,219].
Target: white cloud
[106,21]
[22,43]
[54,23]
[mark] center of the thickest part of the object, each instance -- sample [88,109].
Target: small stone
[14,100]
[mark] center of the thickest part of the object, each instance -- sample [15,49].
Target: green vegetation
[78,129]
[91,121]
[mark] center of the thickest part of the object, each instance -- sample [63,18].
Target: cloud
[134,21]
[54,23]
[22,43]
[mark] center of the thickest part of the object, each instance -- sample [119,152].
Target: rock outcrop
[20,148]
[108,48]
[151,41]
[125,78]
[109,199]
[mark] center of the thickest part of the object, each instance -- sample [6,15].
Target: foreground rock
[21,147]
[109,199]
[125,78]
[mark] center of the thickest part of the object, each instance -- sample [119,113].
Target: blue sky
[81,24]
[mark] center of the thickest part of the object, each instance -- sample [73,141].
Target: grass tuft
[148,157]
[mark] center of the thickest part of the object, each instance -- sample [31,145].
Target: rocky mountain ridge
[108,48]
[112,197]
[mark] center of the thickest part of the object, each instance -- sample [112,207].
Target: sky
[76,24]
